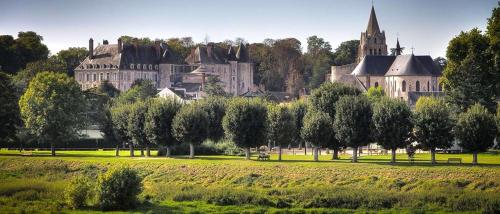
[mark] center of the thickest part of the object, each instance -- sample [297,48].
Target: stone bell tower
[372,41]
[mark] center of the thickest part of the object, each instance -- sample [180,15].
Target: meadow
[229,184]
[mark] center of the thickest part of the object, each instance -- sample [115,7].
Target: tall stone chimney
[120,47]
[105,42]
[158,49]
[91,48]
[136,47]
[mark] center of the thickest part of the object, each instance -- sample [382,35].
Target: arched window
[376,84]
[144,67]
[138,66]
[403,86]
[150,67]
[417,86]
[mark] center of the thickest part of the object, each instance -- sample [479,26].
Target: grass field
[229,184]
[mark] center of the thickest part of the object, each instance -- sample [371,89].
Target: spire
[399,50]
[372,27]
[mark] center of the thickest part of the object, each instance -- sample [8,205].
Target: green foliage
[317,128]
[136,123]
[140,90]
[9,110]
[119,118]
[52,107]
[71,58]
[392,123]
[346,53]
[326,96]
[352,121]
[213,87]
[476,129]
[16,53]
[78,191]
[215,107]
[245,122]
[318,60]
[470,75]
[158,121]
[118,189]
[281,125]
[375,94]
[299,110]
[433,123]
[190,124]
[105,87]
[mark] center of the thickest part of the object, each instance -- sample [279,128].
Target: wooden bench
[458,160]
[263,156]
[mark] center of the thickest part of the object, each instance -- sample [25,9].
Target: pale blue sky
[427,25]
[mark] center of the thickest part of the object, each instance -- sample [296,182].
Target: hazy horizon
[425,25]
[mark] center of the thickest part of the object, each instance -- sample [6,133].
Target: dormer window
[144,67]
[150,67]
[132,66]
[97,66]
[156,67]
[138,66]
[104,66]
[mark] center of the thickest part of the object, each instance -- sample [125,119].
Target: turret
[91,48]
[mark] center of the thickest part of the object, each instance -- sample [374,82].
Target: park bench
[263,156]
[457,160]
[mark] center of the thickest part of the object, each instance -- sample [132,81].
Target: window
[156,67]
[371,52]
[97,66]
[101,76]
[150,67]
[138,66]
[88,77]
[379,51]
[95,77]
[107,76]
[376,84]
[428,84]
[131,66]
[417,86]
[403,87]
[144,67]
[104,66]
[375,40]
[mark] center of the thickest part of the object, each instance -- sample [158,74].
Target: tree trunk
[319,151]
[247,153]
[117,150]
[393,155]
[168,151]
[131,147]
[191,150]
[142,151]
[335,154]
[354,154]
[305,148]
[315,151]
[474,158]
[53,149]
[300,146]
[148,151]
[279,152]
[433,156]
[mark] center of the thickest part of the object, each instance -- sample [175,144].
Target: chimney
[91,48]
[105,42]
[136,47]
[210,47]
[158,49]
[120,47]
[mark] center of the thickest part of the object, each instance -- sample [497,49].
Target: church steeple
[399,50]
[373,28]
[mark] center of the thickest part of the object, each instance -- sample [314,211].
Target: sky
[425,25]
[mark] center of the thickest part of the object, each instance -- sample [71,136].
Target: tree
[119,117]
[318,60]
[135,129]
[346,53]
[105,87]
[24,76]
[52,108]
[352,122]
[392,124]
[158,124]
[470,76]
[190,125]
[325,98]
[476,130]
[375,94]
[299,110]
[16,53]
[281,126]
[317,130]
[72,57]
[140,90]
[498,124]
[9,110]
[245,123]
[215,107]
[213,87]
[433,125]
[493,33]
[441,62]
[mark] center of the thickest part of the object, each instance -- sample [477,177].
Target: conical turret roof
[372,27]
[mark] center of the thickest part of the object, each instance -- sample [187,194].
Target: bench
[263,156]
[458,160]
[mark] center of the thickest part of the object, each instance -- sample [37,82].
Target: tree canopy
[190,125]
[158,121]
[16,53]
[9,110]
[317,129]
[281,126]
[215,107]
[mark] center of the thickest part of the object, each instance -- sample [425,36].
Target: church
[406,77]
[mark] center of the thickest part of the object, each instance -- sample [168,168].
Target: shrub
[118,189]
[77,192]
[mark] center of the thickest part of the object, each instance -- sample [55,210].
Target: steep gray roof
[103,55]
[411,65]
[373,65]
[242,54]
[209,54]
[141,54]
[373,27]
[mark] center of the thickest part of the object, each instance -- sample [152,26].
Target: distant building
[401,76]
[122,64]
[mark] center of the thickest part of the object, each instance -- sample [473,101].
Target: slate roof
[373,27]
[373,65]
[411,65]
[212,54]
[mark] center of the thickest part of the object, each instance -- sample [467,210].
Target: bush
[77,192]
[118,189]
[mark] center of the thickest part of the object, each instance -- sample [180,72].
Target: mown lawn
[229,184]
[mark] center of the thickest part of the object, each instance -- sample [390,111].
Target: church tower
[372,41]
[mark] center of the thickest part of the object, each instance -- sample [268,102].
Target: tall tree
[215,107]
[298,109]
[158,124]
[325,99]
[24,76]
[140,90]
[493,33]
[136,124]
[52,108]
[213,87]
[318,60]
[119,117]
[281,126]
[375,94]
[71,58]
[245,123]
[346,53]
[190,125]
[476,130]
[16,53]
[433,124]
[317,130]
[470,76]
[353,117]
[392,124]
[9,110]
